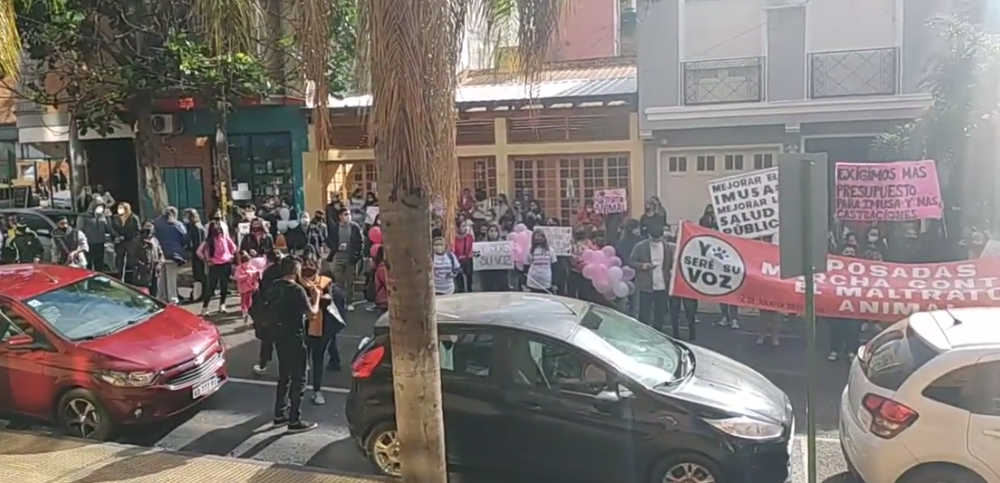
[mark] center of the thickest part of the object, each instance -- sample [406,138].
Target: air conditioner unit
[164,124]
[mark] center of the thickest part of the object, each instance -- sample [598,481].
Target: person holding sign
[494,280]
[446,266]
[539,261]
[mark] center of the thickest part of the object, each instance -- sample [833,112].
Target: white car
[922,402]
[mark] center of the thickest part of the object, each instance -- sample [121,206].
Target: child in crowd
[247,281]
[539,263]
[445,264]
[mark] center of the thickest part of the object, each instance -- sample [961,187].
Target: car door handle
[993,433]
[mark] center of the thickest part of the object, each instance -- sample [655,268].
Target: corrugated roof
[487,86]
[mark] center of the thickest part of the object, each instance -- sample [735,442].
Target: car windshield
[93,307]
[638,350]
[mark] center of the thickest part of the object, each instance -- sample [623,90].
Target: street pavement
[235,421]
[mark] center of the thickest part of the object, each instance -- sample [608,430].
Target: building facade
[726,85]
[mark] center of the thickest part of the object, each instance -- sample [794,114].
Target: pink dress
[247,280]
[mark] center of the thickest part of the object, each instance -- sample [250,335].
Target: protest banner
[560,238]
[719,268]
[492,256]
[370,214]
[899,191]
[746,205]
[611,201]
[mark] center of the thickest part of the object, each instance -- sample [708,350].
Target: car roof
[958,328]
[545,314]
[27,280]
[48,212]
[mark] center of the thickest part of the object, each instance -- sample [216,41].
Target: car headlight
[747,428]
[127,379]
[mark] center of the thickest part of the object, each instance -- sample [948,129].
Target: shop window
[705,163]
[733,162]
[558,184]
[677,164]
[264,163]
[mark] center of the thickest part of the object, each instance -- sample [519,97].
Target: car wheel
[941,474]
[382,446]
[687,468]
[82,415]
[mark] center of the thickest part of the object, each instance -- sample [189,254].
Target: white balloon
[620,289]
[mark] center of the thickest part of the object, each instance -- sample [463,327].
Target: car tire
[382,447]
[694,462]
[941,474]
[81,414]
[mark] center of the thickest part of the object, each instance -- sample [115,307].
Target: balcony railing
[854,73]
[723,81]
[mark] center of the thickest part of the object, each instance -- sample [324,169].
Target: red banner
[720,268]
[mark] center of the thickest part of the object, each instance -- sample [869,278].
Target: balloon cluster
[375,235]
[604,269]
[521,237]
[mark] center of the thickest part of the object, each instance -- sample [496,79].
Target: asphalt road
[235,421]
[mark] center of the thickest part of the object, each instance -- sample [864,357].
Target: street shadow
[134,463]
[342,455]
[223,441]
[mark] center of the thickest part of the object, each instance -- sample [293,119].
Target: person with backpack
[446,266]
[149,260]
[260,312]
[21,245]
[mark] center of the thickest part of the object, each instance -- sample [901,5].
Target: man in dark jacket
[171,233]
[346,249]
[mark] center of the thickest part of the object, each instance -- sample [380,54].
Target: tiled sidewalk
[32,458]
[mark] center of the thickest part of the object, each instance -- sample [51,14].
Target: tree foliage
[962,81]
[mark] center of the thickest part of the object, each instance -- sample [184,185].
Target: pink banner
[899,191]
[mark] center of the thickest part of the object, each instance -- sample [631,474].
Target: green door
[185,189]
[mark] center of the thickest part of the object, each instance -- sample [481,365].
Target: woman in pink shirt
[218,251]
[463,250]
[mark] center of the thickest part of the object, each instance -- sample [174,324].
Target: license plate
[205,388]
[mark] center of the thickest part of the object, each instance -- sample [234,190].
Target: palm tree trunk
[413,128]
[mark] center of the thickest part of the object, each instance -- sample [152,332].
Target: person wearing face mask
[69,245]
[125,227]
[494,280]
[295,236]
[346,246]
[875,241]
[316,233]
[463,250]
[654,214]
[630,237]
[259,240]
[85,200]
[171,233]
[322,328]
[844,334]
[356,204]
[218,252]
[445,265]
[149,260]
[534,216]
[195,235]
[21,245]
[652,259]
[95,226]
[578,286]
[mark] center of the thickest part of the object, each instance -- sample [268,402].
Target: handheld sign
[746,205]
[560,239]
[370,214]
[492,256]
[900,191]
[611,201]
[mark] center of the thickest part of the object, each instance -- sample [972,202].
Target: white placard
[746,205]
[492,256]
[991,250]
[243,229]
[370,214]
[560,239]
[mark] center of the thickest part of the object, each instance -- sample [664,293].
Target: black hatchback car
[568,390]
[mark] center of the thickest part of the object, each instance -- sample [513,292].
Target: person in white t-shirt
[539,263]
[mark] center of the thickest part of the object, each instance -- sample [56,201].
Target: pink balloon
[375,234]
[615,274]
[609,251]
[615,262]
[375,248]
[628,273]
[520,228]
[602,284]
[588,256]
[609,295]
[589,271]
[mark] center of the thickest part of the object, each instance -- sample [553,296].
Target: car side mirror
[20,342]
[604,400]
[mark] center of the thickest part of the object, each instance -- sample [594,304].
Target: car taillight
[889,418]
[366,363]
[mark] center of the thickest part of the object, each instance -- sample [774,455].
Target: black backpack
[262,313]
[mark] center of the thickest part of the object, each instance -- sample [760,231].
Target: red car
[92,354]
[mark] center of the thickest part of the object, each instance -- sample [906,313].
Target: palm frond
[10,42]
[526,27]
[227,25]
